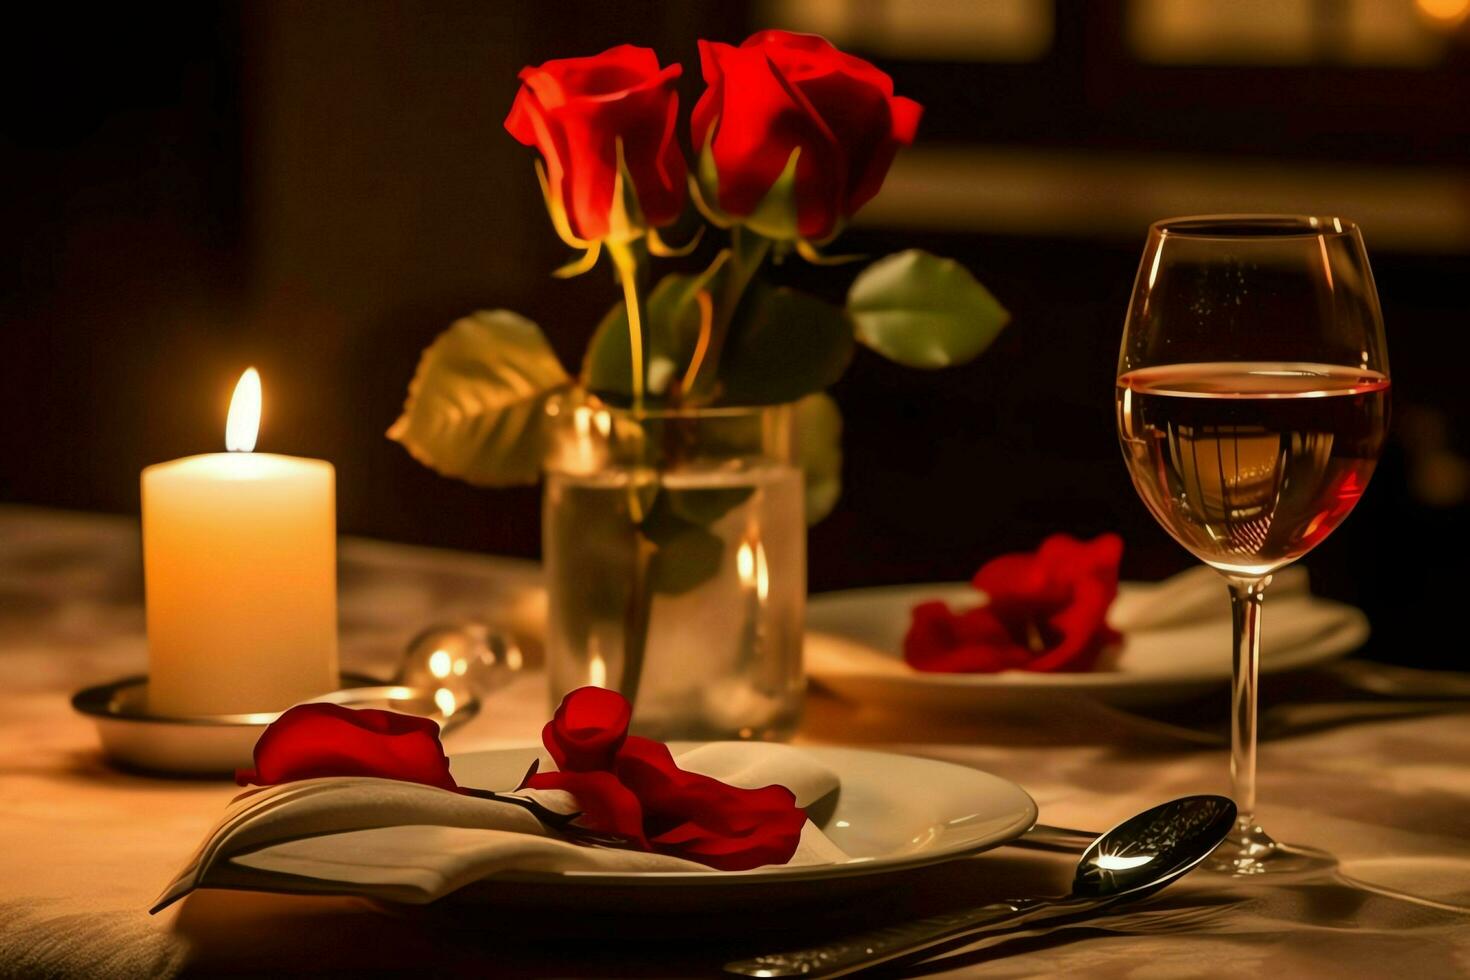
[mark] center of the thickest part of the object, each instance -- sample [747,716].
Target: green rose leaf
[818,426]
[476,404]
[924,311]
[685,562]
[783,345]
[687,554]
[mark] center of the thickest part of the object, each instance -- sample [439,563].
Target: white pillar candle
[240,573]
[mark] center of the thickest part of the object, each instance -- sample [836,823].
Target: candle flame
[243,424]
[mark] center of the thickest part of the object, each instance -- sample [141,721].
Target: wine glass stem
[1245,609]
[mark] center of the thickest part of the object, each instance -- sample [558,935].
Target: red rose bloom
[576,110]
[312,740]
[1047,611]
[780,92]
[632,787]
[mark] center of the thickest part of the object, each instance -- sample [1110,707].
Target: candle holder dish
[216,745]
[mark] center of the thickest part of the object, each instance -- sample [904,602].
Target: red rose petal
[314,740]
[680,813]
[1047,611]
[740,830]
[587,729]
[697,817]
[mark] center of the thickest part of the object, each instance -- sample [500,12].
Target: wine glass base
[1250,852]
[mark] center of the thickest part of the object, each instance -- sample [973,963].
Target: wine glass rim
[1238,227]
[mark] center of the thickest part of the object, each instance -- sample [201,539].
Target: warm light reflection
[755,574]
[441,663]
[596,666]
[1445,11]
[1122,862]
[745,564]
[762,573]
[444,699]
[243,424]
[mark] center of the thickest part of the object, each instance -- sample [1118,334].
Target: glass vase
[675,553]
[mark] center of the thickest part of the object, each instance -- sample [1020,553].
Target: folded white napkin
[1192,595]
[405,842]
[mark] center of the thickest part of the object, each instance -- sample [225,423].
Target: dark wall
[319,189]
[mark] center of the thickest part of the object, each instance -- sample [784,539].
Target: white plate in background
[1177,640]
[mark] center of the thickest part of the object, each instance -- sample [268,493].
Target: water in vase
[710,560]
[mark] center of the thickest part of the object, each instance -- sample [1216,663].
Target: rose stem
[637,617]
[638,610]
[747,251]
[627,266]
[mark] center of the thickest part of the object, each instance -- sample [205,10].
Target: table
[86,847]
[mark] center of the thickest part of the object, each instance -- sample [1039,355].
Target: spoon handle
[868,949]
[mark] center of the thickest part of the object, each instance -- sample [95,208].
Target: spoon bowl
[1148,851]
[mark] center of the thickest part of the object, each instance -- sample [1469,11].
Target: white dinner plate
[1177,644]
[891,813]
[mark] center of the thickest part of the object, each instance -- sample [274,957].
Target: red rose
[312,740]
[632,787]
[780,92]
[1047,611]
[575,111]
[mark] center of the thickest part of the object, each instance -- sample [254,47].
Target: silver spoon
[1129,862]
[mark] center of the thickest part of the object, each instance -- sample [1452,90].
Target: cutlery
[1132,861]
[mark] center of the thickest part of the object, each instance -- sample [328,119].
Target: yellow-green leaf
[818,426]
[476,405]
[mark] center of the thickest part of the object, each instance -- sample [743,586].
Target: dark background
[319,188]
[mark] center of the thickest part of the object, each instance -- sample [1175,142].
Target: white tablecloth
[86,848]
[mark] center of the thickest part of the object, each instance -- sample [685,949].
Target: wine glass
[1252,404]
